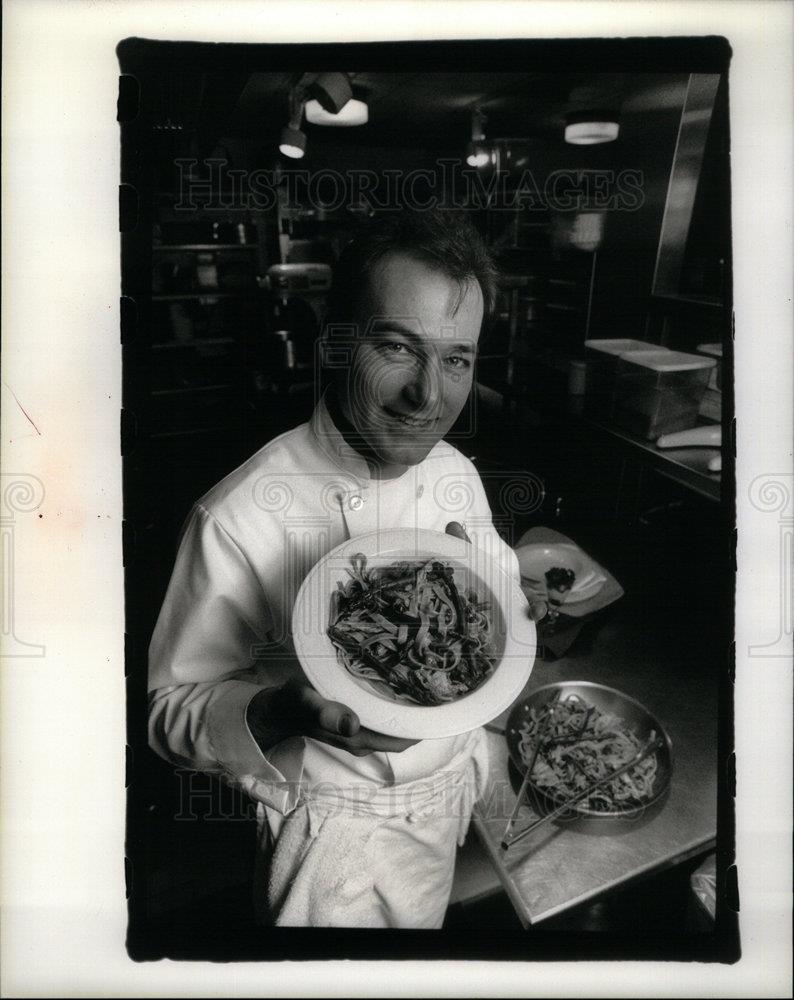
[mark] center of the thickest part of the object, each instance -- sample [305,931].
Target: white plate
[514,639]
[536,558]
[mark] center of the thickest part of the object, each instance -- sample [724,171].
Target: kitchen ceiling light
[292,142]
[355,112]
[332,91]
[587,128]
[476,156]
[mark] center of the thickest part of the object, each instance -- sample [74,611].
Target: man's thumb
[332,716]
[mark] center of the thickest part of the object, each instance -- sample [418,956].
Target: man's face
[413,365]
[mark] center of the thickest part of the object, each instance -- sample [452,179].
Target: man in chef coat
[226,692]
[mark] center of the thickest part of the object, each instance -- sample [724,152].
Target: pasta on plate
[410,631]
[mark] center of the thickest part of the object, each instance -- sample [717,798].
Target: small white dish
[513,642]
[537,558]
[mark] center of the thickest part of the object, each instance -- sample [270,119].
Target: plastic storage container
[711,405]
[659,392]
[602,358]
[713,351]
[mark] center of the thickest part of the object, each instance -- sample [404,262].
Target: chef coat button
[356,502]
[420,490]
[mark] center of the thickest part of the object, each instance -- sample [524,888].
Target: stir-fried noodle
[580,744]
[407,625]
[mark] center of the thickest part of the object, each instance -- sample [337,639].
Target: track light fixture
[476,154]
[292,142]
[332,91]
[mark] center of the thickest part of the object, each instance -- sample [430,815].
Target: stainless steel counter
[688,466]
[559,866]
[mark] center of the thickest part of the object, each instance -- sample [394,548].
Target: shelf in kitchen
[193,342]
[208,294]
[190,389]
[204,247]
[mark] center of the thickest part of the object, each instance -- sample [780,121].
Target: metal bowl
[607,700]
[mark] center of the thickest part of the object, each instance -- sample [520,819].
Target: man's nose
[423,390]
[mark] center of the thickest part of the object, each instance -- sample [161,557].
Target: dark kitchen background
[219,356]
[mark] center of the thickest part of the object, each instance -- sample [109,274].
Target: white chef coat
[224,627]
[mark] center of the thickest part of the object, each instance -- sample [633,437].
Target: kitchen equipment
[556,636]
[708,436]
[512,630]
[536,559]
[292,279]
[291,335]
[528,773]
[653,745]
[206,271]
[713,351]
[602,358]
[658,392]
[609,701]
[294,313]
[711,404]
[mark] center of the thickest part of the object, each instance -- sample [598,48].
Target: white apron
[371,855]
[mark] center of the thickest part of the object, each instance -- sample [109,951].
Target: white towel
[375,856]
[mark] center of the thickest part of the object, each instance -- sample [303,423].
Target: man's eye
[458,361]
[393,347]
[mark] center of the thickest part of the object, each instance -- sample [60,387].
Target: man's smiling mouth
[408,420]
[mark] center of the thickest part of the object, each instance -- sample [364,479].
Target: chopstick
[528,773]
[653,744]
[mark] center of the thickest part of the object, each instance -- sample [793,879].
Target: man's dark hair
[445,240]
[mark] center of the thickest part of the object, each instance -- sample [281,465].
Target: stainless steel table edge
[497,859]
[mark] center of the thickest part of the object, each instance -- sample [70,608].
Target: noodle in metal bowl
[584,732]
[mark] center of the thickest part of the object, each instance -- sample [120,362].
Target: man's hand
[538,608]
[296,709]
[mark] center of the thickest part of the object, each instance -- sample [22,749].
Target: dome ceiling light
[587,128]
[355,112]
